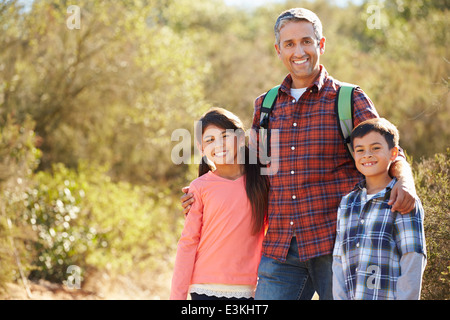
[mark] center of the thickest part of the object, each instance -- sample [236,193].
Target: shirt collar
[316,86]
[362,186]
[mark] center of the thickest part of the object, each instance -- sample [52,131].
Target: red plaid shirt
[314,171]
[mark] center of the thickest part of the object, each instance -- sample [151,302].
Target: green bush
[83,218]
[133,223]
[54,211]
[18,158]
[433,187]
[52,219]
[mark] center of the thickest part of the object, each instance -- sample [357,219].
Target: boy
[378,254]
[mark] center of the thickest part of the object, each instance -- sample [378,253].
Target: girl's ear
[199,147]
[241,142]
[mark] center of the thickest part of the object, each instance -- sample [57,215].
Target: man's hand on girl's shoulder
[186,200]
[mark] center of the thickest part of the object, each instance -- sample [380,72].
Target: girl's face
[219,145]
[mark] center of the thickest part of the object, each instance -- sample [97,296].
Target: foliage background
[86,117]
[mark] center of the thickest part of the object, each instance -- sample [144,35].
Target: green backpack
[343,107]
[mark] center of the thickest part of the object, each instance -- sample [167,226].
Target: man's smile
[299,62]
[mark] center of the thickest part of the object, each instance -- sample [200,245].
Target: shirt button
[294,197]
[292,172]
[291,223]
[357,245]
[293,100]
[362,221]
[292,148]
[295,124]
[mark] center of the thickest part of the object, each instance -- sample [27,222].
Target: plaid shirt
[314,171]
[371,240]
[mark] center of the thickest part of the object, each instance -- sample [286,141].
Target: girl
[220,248]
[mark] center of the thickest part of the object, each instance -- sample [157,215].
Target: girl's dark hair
[256,185]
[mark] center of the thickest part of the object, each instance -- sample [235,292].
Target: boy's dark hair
[380,125]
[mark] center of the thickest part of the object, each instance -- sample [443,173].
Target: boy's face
[373,155]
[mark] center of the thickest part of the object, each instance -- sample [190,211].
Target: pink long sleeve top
[217,245]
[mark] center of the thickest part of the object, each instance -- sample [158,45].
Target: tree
[107,92]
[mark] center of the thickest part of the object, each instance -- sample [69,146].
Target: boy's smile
[373,157]
[369,164]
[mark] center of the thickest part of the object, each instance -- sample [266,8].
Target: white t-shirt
[370,196]
[297,93]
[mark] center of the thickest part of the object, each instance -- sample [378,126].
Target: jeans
[294,279]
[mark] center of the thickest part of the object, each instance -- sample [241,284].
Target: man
[314,167]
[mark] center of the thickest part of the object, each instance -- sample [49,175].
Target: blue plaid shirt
[371,240]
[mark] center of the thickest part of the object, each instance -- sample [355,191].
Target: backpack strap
[266,108]
[343,107]
[344,110]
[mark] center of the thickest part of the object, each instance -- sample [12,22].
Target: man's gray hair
[298,14]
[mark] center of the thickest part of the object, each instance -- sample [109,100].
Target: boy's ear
[394,153]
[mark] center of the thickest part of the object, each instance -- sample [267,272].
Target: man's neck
[301,83]
[298,83]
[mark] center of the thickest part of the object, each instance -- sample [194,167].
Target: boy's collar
[360,186]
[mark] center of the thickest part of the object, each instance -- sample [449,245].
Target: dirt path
[97,287]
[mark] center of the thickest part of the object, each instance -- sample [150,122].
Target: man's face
[300,50]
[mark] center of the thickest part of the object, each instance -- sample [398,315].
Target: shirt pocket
[279,119]
[319,128]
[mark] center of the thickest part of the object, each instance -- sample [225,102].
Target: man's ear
[277,48]
[322,45]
